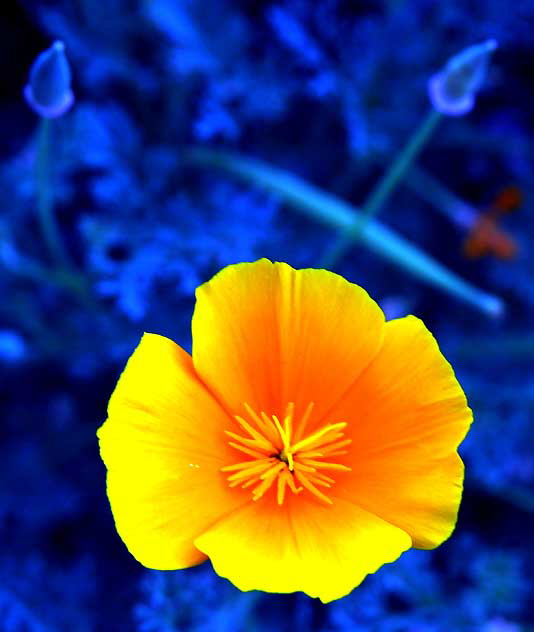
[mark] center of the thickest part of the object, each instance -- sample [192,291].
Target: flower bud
[48,91]
[452,90]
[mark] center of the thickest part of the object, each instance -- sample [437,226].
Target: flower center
[280,452]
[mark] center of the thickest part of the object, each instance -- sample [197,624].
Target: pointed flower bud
[48,91]
[452,90]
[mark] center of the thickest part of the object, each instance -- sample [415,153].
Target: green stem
[523,499]
[446,202]
[514,346]
[63,272]
[45,205]
[338,214]
[401,164]
[385,187]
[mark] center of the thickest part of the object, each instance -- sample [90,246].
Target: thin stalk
[432,191]
[45,204]
[516,346]
[25,267]
[385,187]
[63,272]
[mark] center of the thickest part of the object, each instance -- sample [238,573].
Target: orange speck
[487,238]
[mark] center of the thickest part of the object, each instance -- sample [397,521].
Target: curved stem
[45,204]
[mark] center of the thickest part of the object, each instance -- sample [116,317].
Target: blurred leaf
[341,216]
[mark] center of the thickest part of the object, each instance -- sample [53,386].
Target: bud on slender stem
[48,90]
[453,89]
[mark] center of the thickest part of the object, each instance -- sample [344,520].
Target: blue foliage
[200,601]
[195,600]
[419,596]
[38,597]
[329,90]
[12,346]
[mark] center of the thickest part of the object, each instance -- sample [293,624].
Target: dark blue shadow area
[108,226]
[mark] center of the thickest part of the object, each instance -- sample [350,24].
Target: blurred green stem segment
[428,188]
[385,187]
[341,216]
[45,202]
[62,271]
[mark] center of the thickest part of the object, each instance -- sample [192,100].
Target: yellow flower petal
[164,444]
[406,416]
[324,551]
[266,335]
[419,495]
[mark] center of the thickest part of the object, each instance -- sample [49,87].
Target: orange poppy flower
[304,444]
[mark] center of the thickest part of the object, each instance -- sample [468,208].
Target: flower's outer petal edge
[323,551]
[409,472]
[163,445]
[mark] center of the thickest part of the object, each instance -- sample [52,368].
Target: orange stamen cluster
[280,453]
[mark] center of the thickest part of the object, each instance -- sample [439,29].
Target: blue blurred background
[329,92]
